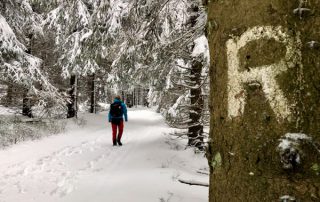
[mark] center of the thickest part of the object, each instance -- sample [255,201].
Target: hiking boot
[114,143]
[119,142]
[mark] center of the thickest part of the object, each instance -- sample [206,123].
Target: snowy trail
[82,165]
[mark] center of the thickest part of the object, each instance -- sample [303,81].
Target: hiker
[117,110]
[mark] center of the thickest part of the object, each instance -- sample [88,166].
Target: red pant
[114,130]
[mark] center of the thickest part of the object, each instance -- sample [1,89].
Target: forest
[222,99]
[60,55]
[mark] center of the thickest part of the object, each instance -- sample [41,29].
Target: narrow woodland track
[82,165]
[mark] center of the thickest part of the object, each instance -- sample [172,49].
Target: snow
[52,16]
[177,13]
[86,35]
[9,42]
[7,111]
[63,17]
[287,198]
[284,144]
[82,165]
[83,13]
[291,140]
[173,111]
[301,10]
[118,9]
[297,136]
[201,48]
[19,66]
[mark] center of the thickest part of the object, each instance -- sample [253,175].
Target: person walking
[117,110]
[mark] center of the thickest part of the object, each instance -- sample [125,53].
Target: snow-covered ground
[83,166]
[6,111]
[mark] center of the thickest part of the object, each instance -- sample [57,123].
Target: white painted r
[264,75]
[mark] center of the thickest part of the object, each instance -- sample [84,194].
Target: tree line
[59,54]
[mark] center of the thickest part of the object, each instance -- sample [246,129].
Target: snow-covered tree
[25,23]
[68,23]
[156,36]
[19,67]
[20,28]
[123,44]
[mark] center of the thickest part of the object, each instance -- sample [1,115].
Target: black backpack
[116,110]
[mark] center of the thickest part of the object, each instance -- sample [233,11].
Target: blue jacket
[124,110]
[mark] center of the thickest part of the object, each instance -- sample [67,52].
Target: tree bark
[26,106]
[265,81]
[9,95]
[92,93]
[134,97]
[195,130]
[72,98]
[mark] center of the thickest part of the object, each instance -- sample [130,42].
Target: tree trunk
[9,95]
[26,107]
[93,94]
[76,94]
[161,96]
[72,98]
[265,92]
[134,97]
[195,130]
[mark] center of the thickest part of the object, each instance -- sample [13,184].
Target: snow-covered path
[83,166]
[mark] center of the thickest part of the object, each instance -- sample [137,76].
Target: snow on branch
[19,67]
[68,17]
[201,48]
[203,172]
[194,182]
